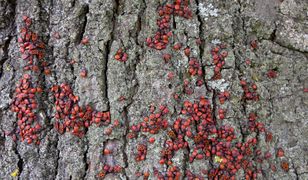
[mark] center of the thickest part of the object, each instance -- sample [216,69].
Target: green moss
[256,27]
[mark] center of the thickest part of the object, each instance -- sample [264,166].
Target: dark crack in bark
[289,47]
[20,162]
[214,110]
[241,17]
[5,54]
[201,34]
[58,157]
[186,161]
[273,38]
[82,30]
[6,45]
[84,19]
[108,50]
[273,34]
[105,78]
[295,170]
[237,29]
[243,102]
[125,142]
[86,160]
[135,87]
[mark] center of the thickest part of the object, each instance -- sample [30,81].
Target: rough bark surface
[280,27]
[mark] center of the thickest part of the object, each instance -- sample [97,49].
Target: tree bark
[128,89]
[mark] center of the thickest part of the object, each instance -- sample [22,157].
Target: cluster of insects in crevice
[250,90]
[32,49]
[25,101]
[219,54]
[69,116]
[25,106]
[109,169]
[163,34]
[195,128]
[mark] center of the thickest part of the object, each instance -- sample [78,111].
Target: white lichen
[216,41]
[207,11]
[220,85]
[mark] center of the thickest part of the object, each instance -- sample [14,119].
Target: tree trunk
[266,42]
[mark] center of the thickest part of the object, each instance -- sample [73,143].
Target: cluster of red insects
[70,117]
[195,128]
[194,69]
[218,54]
[250,92]
[152,124]
[120,55]
[207,141]
[25,103]
[223,96]
[172,173]
[109,169]
[32,49]
[252,125]
[161,37]
[25,106]
[271,74]
[142,152]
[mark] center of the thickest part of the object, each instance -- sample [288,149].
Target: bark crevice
[201,33]
[86,161]
[20,163]
[5,56]
[84,19]
[125,142]
[107,48]
[58,157]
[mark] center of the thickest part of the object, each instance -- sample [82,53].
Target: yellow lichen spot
[217,159]
[15,173]
[8,68]
[255,77]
